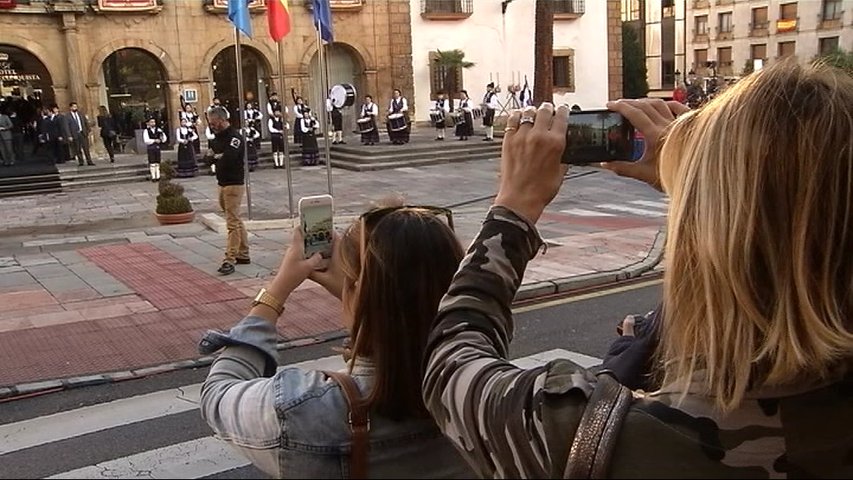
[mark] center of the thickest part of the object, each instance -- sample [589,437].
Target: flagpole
[285,132]
[325,89]
[240,108]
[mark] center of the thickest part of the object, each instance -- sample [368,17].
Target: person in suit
[7,153]
[54,130]
[77,134]
[109,131]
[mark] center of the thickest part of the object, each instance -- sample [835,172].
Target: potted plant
[173,207]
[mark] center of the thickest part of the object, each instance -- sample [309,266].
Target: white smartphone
[316,218]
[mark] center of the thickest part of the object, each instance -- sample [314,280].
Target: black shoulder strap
[595,439]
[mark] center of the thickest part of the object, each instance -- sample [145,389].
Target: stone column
[76,79]
[614,49]
[173,106]
[402,74]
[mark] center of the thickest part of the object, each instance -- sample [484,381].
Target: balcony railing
[568,9]
[447,9]
[759,29]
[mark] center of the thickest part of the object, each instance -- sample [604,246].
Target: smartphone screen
[599,136]
[317,224]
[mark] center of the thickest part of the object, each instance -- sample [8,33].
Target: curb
[215,222]
[526,292]
[566,284]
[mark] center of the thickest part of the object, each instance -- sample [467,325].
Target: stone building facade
[103,52]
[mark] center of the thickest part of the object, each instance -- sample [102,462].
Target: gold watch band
[265,298]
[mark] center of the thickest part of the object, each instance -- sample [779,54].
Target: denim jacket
[293,423]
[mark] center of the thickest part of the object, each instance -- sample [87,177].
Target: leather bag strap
[595,439]
[359,422]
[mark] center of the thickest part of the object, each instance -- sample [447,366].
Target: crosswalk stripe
[73,423]
[650,203]
[580,212]
[193,459]
[94,418]
[635,211]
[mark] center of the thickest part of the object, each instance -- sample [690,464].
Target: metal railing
[447,6]
[576,7]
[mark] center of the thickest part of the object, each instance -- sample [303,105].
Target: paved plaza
[90,283]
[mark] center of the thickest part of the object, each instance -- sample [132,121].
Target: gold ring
[509,129]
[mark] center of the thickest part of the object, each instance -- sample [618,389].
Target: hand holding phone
[316,221]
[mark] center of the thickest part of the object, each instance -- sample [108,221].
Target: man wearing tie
[77,133]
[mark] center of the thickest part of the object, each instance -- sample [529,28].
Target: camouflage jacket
[512,423]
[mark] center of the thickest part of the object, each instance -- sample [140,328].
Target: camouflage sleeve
[507,422]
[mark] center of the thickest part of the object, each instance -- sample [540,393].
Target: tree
[635,83]
[748,67]
[543,51]
[450,64]
[839,58]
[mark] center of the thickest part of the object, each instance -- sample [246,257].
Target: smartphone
[316,219]
[600,136]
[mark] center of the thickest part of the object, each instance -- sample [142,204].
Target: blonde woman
[756,339]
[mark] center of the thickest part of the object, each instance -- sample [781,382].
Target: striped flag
[279,18]
[238,13]
[526,97]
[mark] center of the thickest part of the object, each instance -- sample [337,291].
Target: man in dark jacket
[230,175]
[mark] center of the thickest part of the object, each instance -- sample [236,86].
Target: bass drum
[343,95]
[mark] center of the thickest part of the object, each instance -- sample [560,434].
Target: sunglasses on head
[372,217]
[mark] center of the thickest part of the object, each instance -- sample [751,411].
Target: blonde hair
[759,256]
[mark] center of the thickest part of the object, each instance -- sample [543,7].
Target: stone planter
[174,218]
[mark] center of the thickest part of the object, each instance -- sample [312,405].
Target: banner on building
[127,5]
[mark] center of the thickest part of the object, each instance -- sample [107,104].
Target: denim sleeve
[238,396]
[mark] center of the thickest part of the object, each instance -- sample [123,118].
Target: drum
[342,95]
[366,125]
[458,117]
[396,122]
[477,112]
[436,116]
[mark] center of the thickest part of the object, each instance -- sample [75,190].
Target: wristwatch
[265,298]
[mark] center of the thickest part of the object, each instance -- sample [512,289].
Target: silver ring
[527,120]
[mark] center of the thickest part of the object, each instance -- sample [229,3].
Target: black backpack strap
[595,439]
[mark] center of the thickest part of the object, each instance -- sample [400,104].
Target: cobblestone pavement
[89,283]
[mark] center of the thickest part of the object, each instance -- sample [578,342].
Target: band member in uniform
[310,149]
[465,129]
[370,110]
[298,112]
[253,138]
[399,105]
[490,105]
[154,137]
[189,115]
[337,122]
[274,104]
[186,138]
[442,107]
[276,125]
[217,103]
[253,119]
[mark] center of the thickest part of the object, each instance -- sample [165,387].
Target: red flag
[279,18]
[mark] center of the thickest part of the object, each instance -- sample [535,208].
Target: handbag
[595,438]
[359,423]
